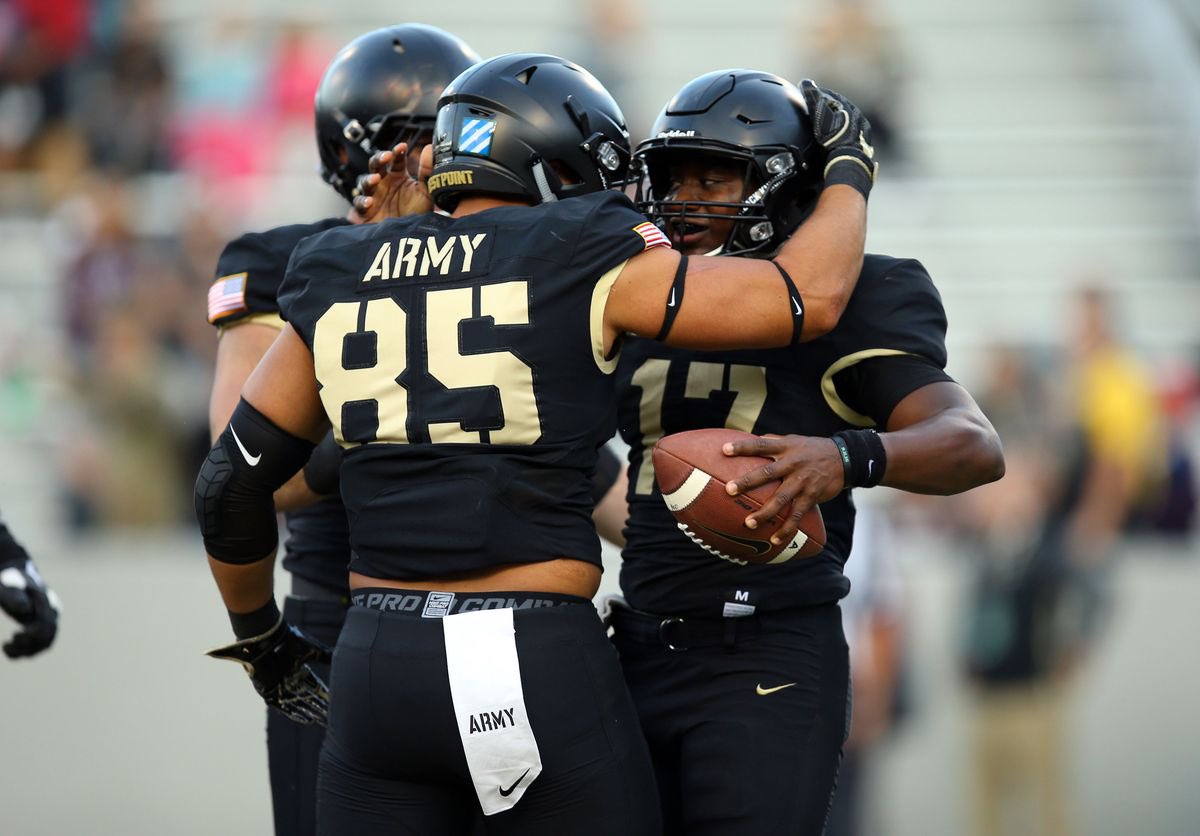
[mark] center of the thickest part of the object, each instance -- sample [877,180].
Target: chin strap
[543,183]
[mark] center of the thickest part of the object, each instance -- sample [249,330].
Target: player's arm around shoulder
[824,258]
[720,302]
[717,303]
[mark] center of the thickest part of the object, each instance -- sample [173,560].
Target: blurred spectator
[856,52]
[1172,510]
[1043,539]
[96,241]
[124,95]
[873,616]
[139,354]
[1121,459]
[296,65]
[220,127]
[1014,647]
[140,479]
[38,41]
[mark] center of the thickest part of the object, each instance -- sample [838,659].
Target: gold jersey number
[748,384]
[506,303]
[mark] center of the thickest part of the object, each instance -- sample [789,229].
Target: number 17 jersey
[889,342]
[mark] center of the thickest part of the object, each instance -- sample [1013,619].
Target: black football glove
[25,597]
[842,129]
[279,662]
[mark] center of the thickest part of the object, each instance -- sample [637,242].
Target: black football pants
[745,721]
[293,749]
[393,761]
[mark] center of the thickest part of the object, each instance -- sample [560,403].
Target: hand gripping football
[692,471]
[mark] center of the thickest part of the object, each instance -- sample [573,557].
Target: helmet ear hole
[565,173]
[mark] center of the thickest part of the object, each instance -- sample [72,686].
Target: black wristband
[249,625]
[850,166]
[864,458]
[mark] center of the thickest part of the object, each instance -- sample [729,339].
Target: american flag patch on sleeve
[652,235]
[226,296]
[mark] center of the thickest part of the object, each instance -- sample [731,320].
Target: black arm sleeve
[891,339]
[874,387]
[234,504]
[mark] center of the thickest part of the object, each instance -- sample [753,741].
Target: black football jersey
[249,273]
[889,342]
[460,364]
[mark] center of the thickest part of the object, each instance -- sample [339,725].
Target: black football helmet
[749,116]
[529,126]
[380,89]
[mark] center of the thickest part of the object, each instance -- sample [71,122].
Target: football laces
[691,535]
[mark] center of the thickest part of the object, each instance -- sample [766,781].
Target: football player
[26,599]
[464,362]
[380,91]
[740,673]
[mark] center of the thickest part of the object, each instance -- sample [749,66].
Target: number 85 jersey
[460,362]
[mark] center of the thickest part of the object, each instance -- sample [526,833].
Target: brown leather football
[692,471]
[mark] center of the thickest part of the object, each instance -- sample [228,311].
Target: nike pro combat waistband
[434,604]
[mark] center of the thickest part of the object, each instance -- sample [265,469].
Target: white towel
[489,704]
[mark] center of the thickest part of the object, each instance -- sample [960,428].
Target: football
[692,471]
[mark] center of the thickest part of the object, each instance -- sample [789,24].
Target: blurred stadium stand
[1048,142]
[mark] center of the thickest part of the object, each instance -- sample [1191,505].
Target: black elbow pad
[234,505]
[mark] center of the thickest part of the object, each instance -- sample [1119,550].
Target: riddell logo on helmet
[674,132]
[451,178]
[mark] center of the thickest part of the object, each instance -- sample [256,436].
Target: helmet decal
[531,127]
[475,136]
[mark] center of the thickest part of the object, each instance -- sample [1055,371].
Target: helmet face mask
[734,117]
[382,89]
[699,197]
[529,127]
